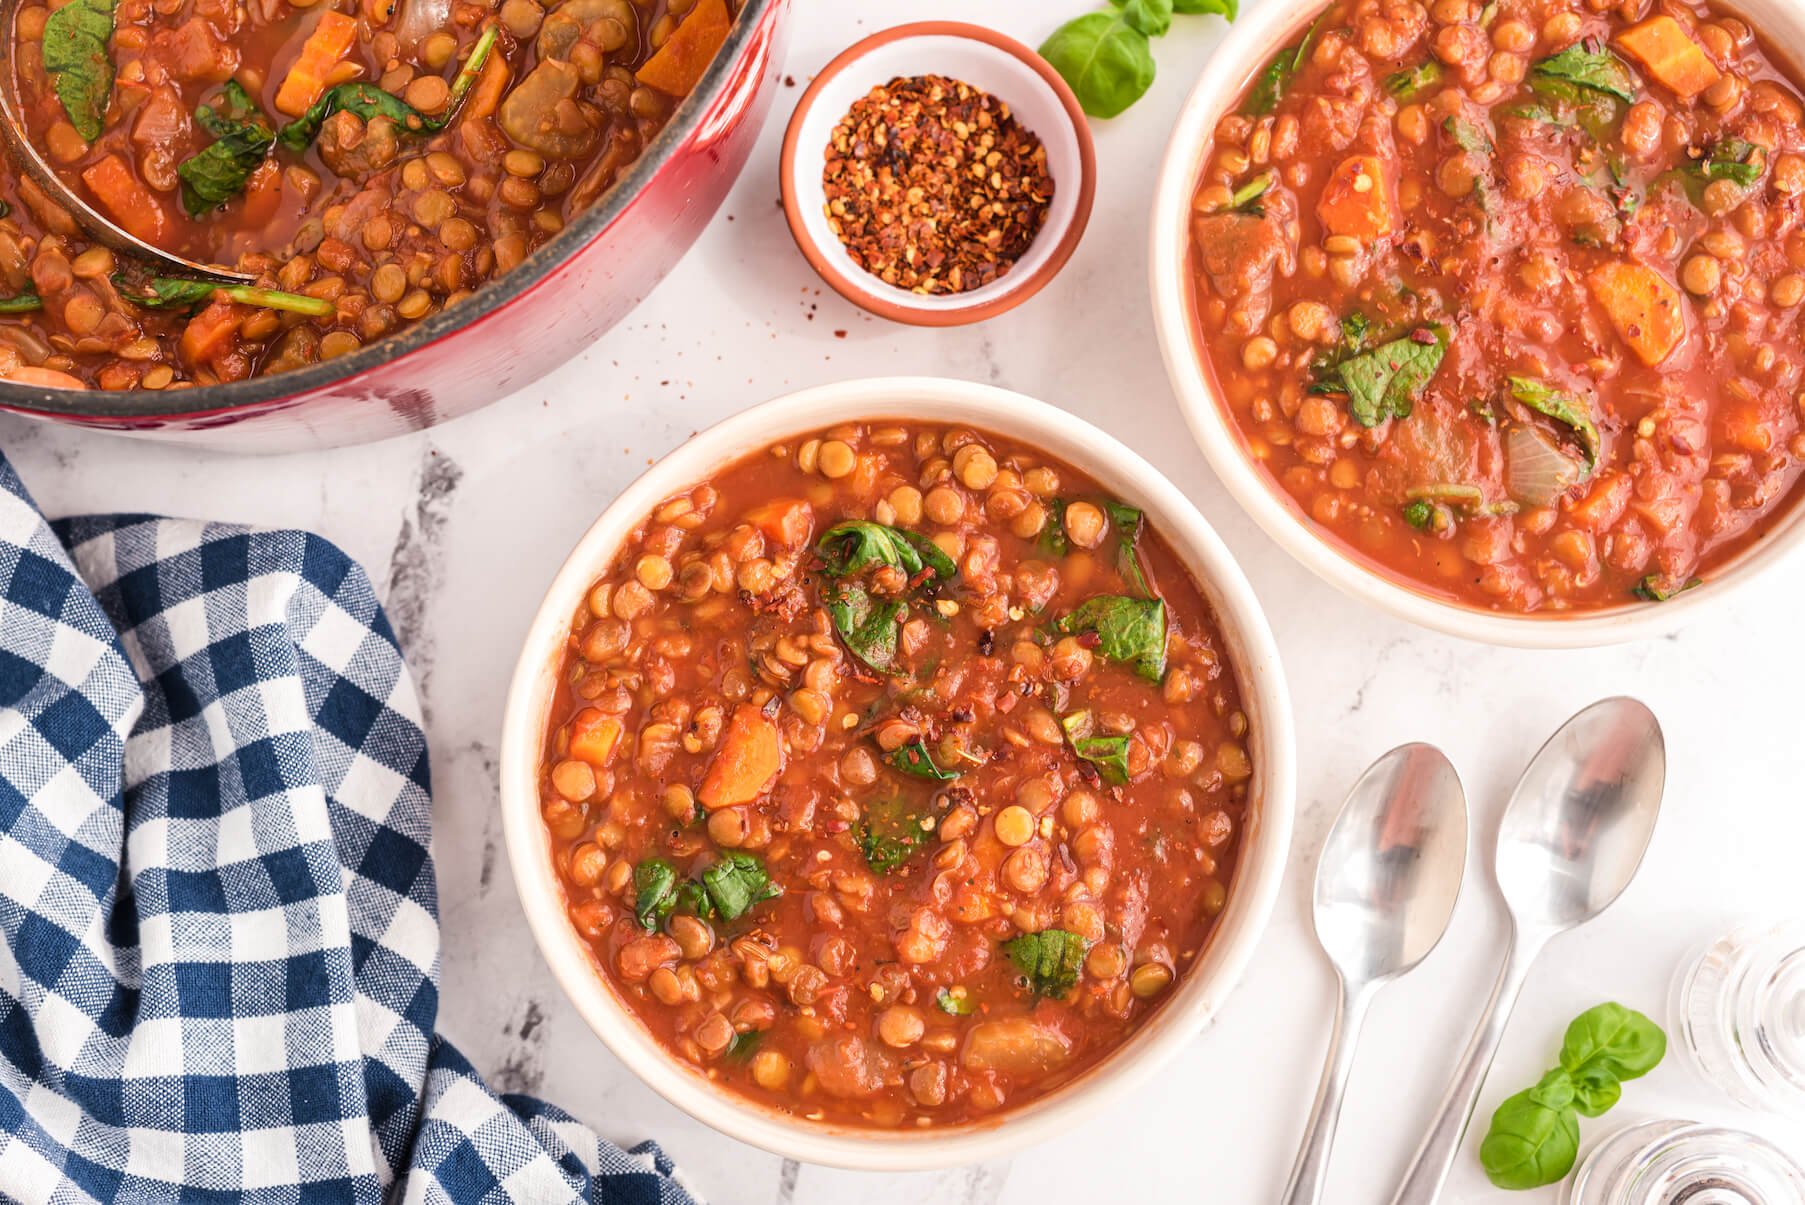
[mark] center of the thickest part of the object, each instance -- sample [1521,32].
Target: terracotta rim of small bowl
[1197,996]
[1018,290]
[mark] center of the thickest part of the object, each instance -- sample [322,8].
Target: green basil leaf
[76,59]
[1589,69]
[868,628]
[1529,1144]
[654,892]
[1107,61]
[888,834]
[1658,587]
[955,1002]
[1109,754]
[1384,382]
[1050,959]
[365,100]
[1129,630]
[218,172]
[1562,408]
[23,302]
[1220,8]
[914,759]
[736,883]
[1613,1042]
[1151,17]
[1595,1097]
[1409,84]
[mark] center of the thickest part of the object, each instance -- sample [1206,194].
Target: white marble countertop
[463,526]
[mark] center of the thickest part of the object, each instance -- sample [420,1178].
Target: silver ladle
[1577,826]
[1385,887]
[96,225]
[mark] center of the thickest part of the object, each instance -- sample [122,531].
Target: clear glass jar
[1684,1163]
[1739,1013]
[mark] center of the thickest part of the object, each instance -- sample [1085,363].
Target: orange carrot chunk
[1662,45]
[747,761]
[594,736]
[328,44]
[125,197]
[1356,200]
[680,63]
[209,334]
[1644,307]
[785,521]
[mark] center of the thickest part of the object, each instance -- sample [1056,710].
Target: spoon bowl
[1386,883]
[1582,815]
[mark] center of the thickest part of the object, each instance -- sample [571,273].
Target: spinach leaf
[217,173]
[1053,539]
[1384,382]
[1409,84]
[736,883]
[365,100]
[1562,409]
[654,892]
[868,628]
[852,547]
[1611,1042]
[1534,1136]
[1730,159]
[693,897]
[914,759]
[1107,61]
[1151,17]
[888,834]
[23,302]
[1469,136]
[955,1002]
[1050,959]
[1270,87]
[1128,522]
[1658,587]
[1129,630]
[743,1046]
[1585,66]
[76,59]
[1109,754]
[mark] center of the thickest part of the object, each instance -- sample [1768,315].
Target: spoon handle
[1435,1157]
[1311,1169]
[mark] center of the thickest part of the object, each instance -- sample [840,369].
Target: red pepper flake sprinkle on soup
[933,186]
[1506,295]
[895,774]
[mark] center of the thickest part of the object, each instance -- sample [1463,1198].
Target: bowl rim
[1252,896]
[1016,289]
[1249,45]
[207,400]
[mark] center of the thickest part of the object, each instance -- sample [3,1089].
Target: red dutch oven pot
[511,332]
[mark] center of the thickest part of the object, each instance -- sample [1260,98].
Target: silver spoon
[24,154]
[1385,887]
[1572,838]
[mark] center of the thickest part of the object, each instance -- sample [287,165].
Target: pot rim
[1198,995]
[224,398]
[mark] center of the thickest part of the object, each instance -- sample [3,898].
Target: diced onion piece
[1536,469]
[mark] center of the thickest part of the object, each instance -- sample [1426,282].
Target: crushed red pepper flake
[933,186]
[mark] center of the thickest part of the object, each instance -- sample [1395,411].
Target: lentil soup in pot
[368,162]
[1506,296]
[895,774]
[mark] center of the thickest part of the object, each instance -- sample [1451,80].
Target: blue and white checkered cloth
[219,972]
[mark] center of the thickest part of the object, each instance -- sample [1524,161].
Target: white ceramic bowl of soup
[1255,38]
[1266,840]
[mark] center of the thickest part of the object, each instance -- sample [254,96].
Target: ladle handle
[1312,1167]
[1435,1157]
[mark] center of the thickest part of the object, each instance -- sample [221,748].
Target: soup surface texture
[895,774]
[369,162]
[1506,296]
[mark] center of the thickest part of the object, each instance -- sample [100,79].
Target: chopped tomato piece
[1643,305]
[750,756]
[594,736]
[1356,199]
[126,198]
[683,59]
[328,44]
[1662,45]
